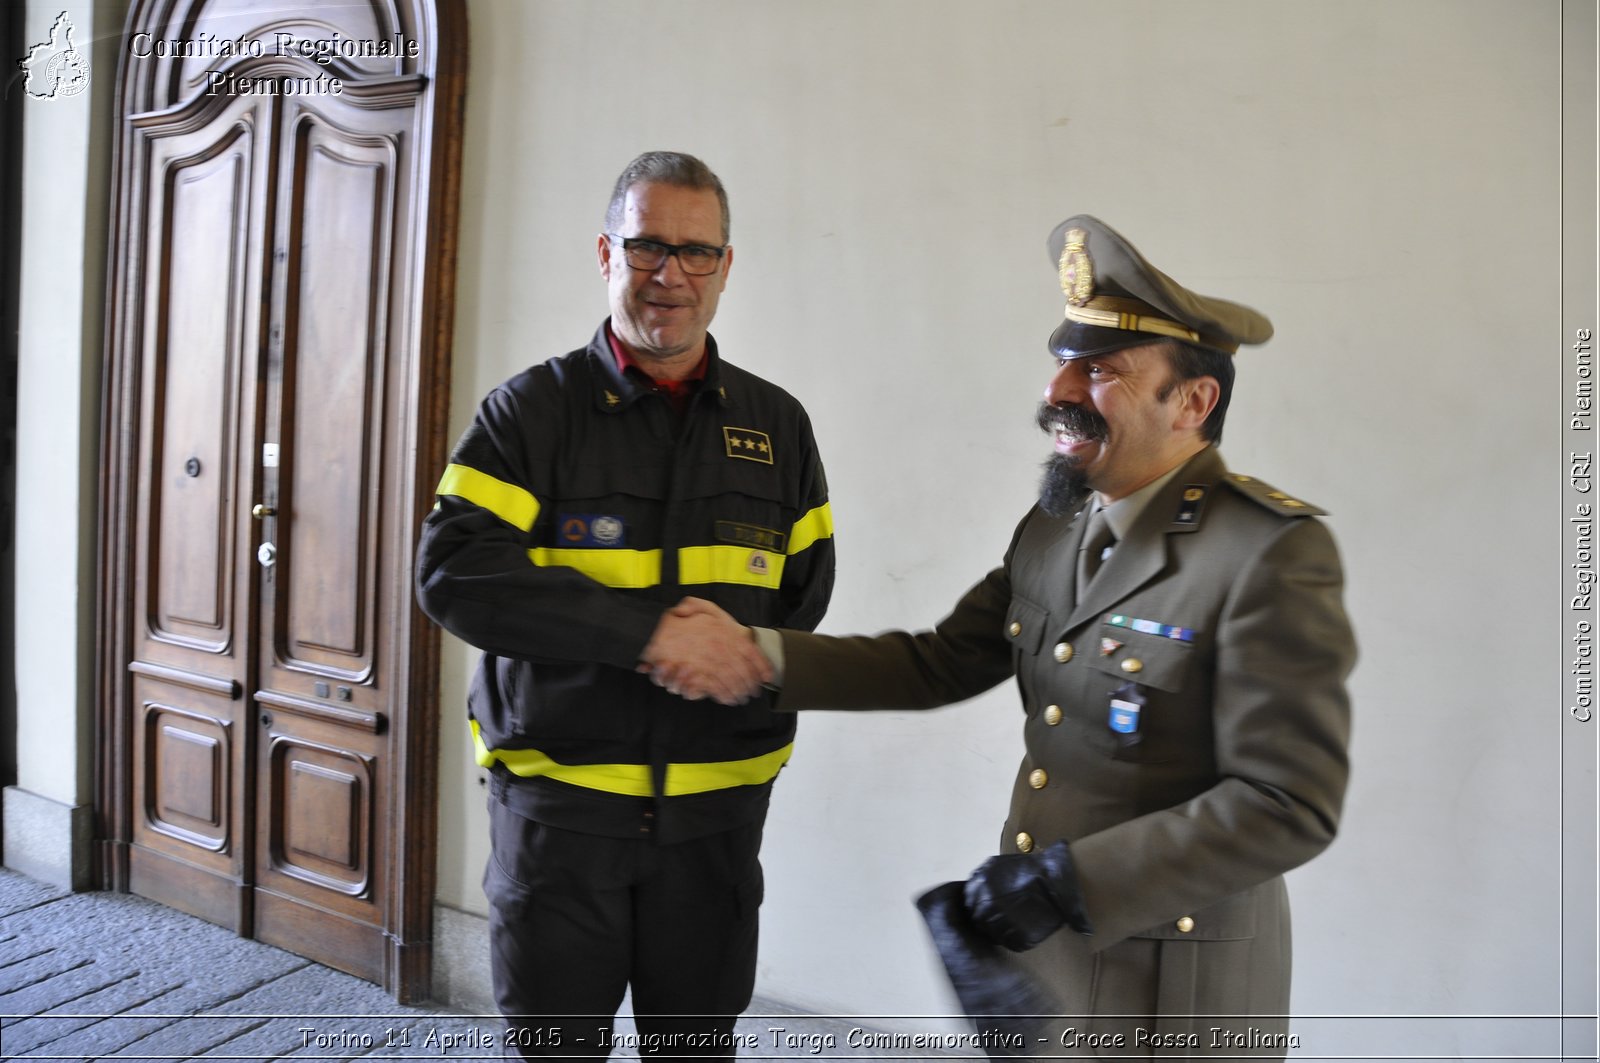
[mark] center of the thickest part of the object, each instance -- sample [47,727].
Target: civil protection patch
[747,443]
[590,529]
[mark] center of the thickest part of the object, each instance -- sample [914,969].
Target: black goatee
[1064,487]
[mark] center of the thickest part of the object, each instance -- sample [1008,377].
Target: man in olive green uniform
[1178,636]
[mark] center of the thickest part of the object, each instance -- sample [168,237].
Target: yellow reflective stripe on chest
[509,502]
[751,567]
[633,780]
[697,565]
[730,564]
[614,568]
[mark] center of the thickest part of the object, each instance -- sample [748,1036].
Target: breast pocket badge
[1127,706]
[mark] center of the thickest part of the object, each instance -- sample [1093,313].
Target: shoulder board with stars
[1271,498]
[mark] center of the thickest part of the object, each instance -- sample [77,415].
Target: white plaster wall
[64,183]
[1380,178]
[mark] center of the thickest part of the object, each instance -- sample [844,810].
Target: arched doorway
[281,283]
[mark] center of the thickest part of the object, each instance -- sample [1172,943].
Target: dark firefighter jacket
[575,510]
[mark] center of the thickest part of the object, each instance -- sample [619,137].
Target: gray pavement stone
[377,1037]
[35,1034]
[19,892]
[88,976]
[92,975]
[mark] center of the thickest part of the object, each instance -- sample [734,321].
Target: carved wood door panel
[192,577]
[325,614]
[275,406]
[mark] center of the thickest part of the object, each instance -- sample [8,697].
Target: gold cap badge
[1077,271]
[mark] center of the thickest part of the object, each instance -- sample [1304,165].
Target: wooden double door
[274,409]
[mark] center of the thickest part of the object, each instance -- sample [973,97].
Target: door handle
[261,510]
[267,554]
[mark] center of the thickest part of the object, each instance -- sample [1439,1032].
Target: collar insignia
[1194,500]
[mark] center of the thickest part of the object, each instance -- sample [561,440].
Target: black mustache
[1075,419]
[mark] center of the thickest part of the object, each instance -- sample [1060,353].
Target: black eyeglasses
[650,255]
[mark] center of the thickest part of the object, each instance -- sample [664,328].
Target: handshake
[699,651]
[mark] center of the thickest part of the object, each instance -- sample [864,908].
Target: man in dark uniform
[1178,637]
[589,494]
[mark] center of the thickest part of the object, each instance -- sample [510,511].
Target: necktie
[1097,543]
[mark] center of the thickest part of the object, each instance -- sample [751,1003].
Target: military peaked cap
[1116,299]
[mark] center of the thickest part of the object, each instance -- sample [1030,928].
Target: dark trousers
[576,919]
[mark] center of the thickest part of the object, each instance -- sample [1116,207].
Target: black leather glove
[1019,899]
[1004,1000]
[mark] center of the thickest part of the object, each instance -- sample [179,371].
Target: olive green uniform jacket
[1221,612]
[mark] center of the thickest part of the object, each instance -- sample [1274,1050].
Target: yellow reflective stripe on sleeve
[730,564]
[633,780]
[818,524]
[614,568]
[509,502]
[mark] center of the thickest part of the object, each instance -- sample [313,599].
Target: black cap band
[1073,339]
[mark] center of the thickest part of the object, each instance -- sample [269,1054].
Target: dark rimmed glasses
[650,255]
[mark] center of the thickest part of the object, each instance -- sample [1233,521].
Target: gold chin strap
[1108,311]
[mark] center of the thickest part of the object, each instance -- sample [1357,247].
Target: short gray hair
[667,168]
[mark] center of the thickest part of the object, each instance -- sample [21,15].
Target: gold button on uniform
[1015,628]
[1024,842]
[1185,924]
[1038,778]
[1052,714]
[1132,665]
[1063,652]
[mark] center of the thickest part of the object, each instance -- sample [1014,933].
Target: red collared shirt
[678,391]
